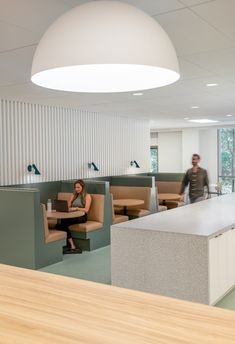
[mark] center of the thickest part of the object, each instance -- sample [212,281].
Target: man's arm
[206,182]
[184,184]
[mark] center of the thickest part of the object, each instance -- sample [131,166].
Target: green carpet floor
[96,266]
[228,301]
[92,266]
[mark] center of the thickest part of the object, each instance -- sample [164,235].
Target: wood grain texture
[62,215]
[168,197]
[37,307]
[126,202]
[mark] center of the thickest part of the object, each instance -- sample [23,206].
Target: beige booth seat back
[65,196]
[51,235]
[133,192]
[117,218]
[96,212]
[95,216]
[168,187]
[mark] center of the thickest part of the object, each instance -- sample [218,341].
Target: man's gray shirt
[197,181]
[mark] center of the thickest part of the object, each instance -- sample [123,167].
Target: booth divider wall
[100,237]
[46,189]
[167,177]
[22,231]
[21,219]
[138,181]
[167,183]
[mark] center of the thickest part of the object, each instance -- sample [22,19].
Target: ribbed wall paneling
[61,142]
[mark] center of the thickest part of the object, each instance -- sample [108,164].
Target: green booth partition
[22,230]
[101,237]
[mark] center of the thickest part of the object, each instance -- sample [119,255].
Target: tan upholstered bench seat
[162,208]
[119,219]
[88,226]
[51,234]
[95,216]
[170,187]
[174,204]
[55,235]
[118,210]
[52,223]
[132,212]
[138,212]
[132,192]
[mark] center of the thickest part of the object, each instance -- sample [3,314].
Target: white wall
[209,155]
[154,139]
[175,150]
[190,145]
[62,141]
[170,151]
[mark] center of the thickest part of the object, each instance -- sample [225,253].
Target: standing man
[197,179]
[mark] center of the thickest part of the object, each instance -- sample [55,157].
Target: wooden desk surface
[64,215]
[42,308]
[126,202]
[168,197]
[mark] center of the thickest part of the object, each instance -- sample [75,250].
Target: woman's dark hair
[82,194]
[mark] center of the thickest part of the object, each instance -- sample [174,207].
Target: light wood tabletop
[64,215]
[127,202]
[42,308]
[168,197]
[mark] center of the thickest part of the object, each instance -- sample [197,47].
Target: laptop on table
[61,205]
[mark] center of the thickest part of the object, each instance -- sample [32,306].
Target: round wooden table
[168,197]
[58,215]
[127,202]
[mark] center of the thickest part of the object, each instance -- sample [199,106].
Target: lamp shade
[104,46]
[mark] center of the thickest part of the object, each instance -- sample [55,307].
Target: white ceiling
[203,33]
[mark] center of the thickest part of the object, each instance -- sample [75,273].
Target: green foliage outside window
[154,158]
[227,159]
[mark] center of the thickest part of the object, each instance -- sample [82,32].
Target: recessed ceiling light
[194,107]
[211,85]
[137,94]
[229,115]
[203,120]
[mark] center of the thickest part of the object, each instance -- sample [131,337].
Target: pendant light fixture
[104,46]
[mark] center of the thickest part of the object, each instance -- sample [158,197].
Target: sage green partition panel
[46,189]
[104,179]
[167,177]
[22,231]
[138,180]
[133,180]
[163,176]
[101,237]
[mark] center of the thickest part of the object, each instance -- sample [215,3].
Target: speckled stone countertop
[206,218]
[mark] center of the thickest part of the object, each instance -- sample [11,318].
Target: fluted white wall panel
[61,142]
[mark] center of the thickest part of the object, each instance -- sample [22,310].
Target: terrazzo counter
[187,252]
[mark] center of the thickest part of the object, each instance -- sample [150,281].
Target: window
[226,145]
[154,158]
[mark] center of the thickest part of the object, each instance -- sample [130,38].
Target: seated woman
[80,200]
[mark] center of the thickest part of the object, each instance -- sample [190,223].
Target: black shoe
[73,250]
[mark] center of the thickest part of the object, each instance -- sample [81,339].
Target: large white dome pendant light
[104,46]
